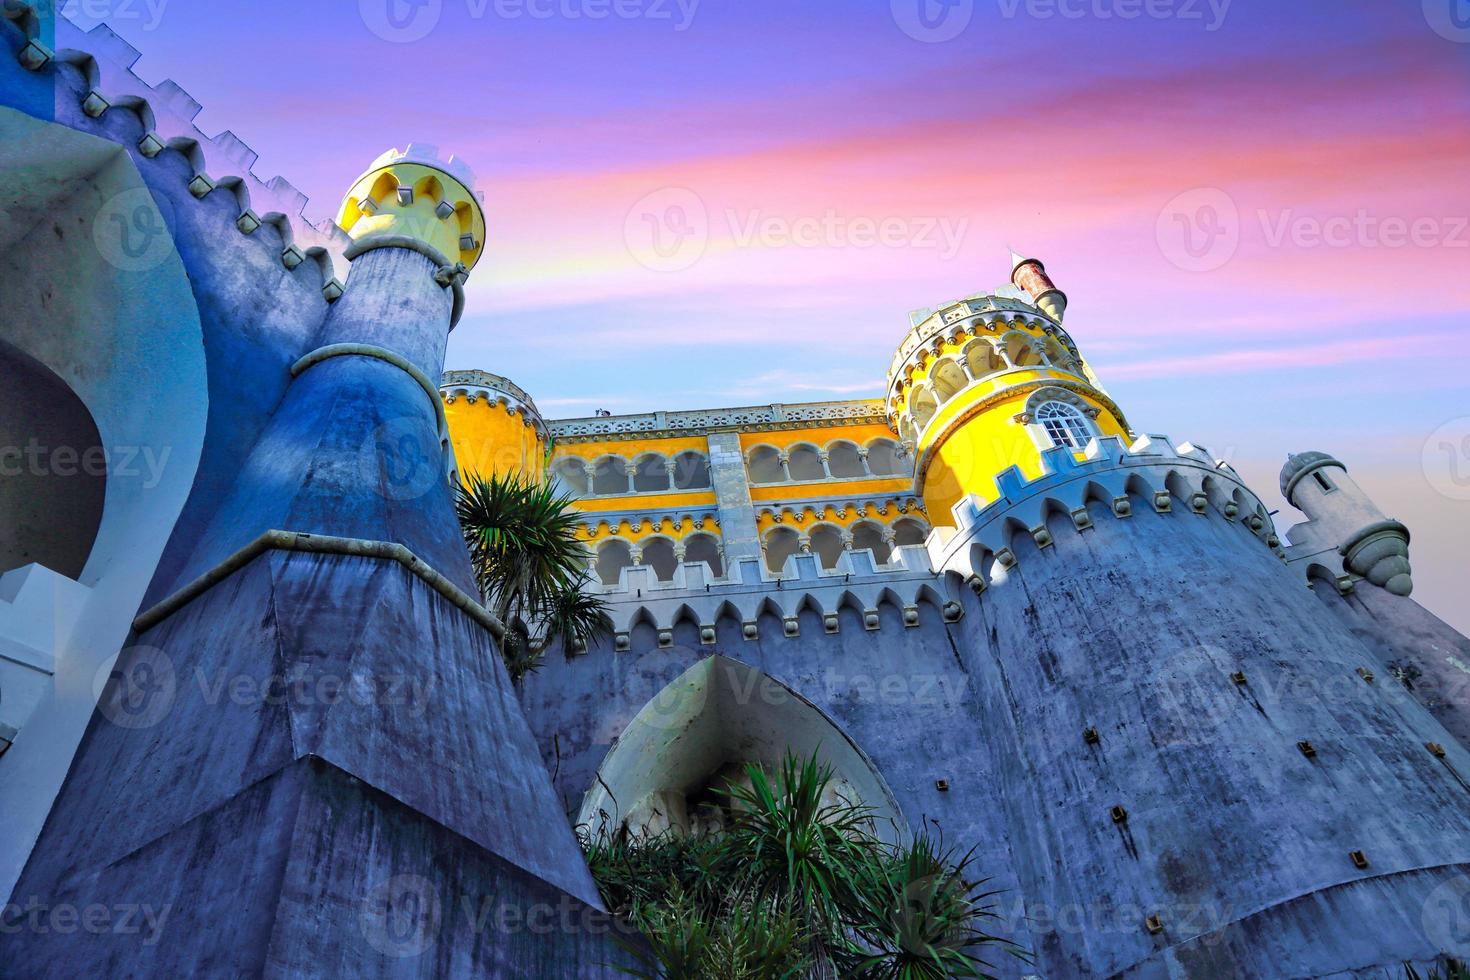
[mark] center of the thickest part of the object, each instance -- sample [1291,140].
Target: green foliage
[1453,970]
[530,567]
[798,885]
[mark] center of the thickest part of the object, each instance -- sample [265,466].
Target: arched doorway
[700,731]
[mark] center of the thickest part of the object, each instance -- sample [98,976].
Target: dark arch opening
[53,471]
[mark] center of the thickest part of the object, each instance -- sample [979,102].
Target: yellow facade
[490,439]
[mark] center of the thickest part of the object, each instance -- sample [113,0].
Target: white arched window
[1064,424]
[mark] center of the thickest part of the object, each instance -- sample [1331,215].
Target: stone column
[732,496]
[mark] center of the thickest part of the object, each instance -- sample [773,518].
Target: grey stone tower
[309,760]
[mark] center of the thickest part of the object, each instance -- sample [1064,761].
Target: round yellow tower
[413,195]
[494,426]
[989,382]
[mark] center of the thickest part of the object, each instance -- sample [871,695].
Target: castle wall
[902,694]
[1229,832]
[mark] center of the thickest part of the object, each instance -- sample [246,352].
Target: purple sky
[719,202]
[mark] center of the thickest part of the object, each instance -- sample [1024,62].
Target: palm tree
[530,567]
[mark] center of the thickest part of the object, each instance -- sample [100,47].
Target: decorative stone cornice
[761,418]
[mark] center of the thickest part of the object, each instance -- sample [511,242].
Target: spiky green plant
[1453,969]
[913,915]
[798,885]
[795,846]
[529,565]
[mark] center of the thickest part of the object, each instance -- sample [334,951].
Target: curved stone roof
[1299,465]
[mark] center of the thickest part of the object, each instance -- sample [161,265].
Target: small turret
[415,198]
[1371,544]
[1030,275]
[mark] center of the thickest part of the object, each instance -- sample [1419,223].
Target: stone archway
[700,729]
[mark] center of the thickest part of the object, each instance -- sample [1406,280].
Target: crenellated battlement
[751,590]
[1151,470]
[96,68]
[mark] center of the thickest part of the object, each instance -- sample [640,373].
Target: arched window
[827,544]
[613,557]
[610,475]
[1064,424]
[805,464]
[571,476]
[651,474]
[842,460]
[923,408]
[906,530]
[703,547]
[983,359]
[658,554]
[691,471]
[947,378]
[883,459]
[781,543]
[868,535]
[764,465]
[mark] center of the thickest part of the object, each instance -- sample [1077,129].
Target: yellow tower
[990,382]
[413,196]
[494,426]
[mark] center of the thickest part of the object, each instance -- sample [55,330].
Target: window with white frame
[1064,424]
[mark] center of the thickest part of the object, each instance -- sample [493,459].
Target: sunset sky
[695,203]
